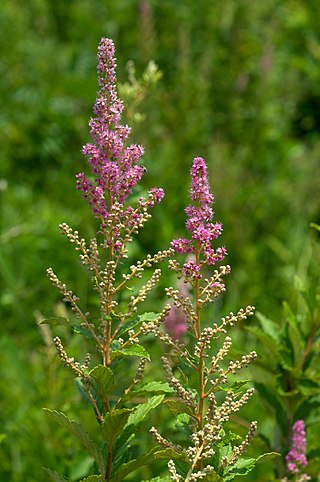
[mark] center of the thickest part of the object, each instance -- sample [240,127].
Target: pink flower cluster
[296,458]
[199,221]
[114,165]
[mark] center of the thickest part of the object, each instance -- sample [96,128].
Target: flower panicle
[200,223]
[114,165]
[296,458]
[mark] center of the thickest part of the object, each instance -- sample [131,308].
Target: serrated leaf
[240,467]
[142,411]
[153,387]
[93,478]
[230,437]
[213,477]
[77,430]
[169,453]
[54,475]
[103,377]
[159,479]
[136,418]
[134,350]
[234,386]
[113,424]
[130,324]
[177,406]
[55,321]
[134,464]
[149,316]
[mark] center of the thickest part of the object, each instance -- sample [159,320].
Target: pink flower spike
[114,166]
[296,458]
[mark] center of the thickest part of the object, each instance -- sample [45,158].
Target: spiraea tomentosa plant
[204,451]
[115,330]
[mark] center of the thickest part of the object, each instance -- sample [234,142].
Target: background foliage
[240,86]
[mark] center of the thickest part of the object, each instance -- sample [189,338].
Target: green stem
[201,362]
[109,465]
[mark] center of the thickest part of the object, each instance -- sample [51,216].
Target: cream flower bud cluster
[182,393]
[183,302]
[232,405]
[163,441]
[144,290]
[68,295]
[234,366]
[77,369]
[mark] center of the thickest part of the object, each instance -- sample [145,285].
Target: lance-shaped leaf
[113,424]
[55,321]
[61,321]
[79,432]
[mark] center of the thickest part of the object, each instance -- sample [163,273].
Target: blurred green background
[240,87]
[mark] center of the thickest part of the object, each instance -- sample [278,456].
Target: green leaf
[272,400]
[142,411]
[136,418]
[153,387]
[55,321]
[77,430]
[308,387]
[315,226]
[213,477]
[262,459]
[128,468]
[291,318]
[113,424]
[240,467]
[244,466]
[266,341]
[81,330]
[270,327]
[234,386]
[159,479]
[93,478]
[176,406]
[286,357]
[54,475]
[134,350]
[149,316]
[103,377]
[169,453]
[229,437]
